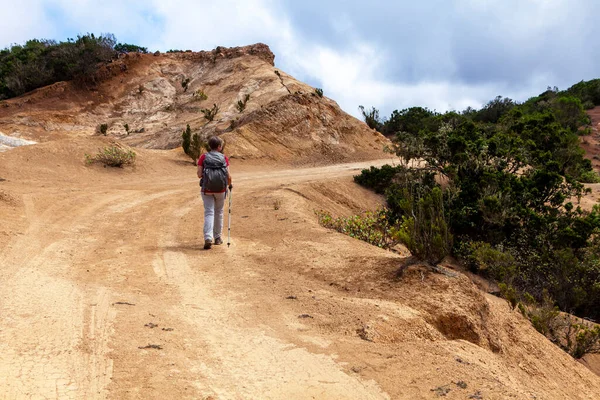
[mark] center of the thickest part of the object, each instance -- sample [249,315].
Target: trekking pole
[229,220]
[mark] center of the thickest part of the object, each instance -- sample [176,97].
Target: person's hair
[214,142]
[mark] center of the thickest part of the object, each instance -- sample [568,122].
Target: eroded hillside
[147,100]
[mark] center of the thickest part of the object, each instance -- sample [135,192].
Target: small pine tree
[195,148]
[424,230]
[187,140]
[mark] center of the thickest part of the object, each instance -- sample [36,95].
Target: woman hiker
[213,171]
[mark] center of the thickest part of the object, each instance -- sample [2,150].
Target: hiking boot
[207,244]
[218,241]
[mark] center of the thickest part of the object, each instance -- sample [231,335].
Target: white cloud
[444,55]
[202,25]
[352,78]
[23,20]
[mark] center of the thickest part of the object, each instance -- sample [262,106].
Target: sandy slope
[284,120]
[98,264]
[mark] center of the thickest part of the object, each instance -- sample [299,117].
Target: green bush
[39,63]
[192,144]
[184,83]
[424,230]
[589,177]
[241,104]
[588,105]
[494,110]
[587,340]
[377,179]
[371,118]
[575,336]
[210,113]
[373,227]
[409,121]
[130,48]
[586,91]
[543,316]
[319,92]
[200,95]
[112,156]
[483,258]
[196,147]
[506,194]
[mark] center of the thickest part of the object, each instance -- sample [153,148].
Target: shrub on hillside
[425,233]
[210,113]
[586,91]
[130,48]
[409,121]
[103,128]
[241,104]
[575,336]
[371,118]
[494,110]
[424,230]
[589,177]
[39,63]
[112,156]
[319,92]
[482,257]
[184,83]
[506,188]
[192,144]
[186,139]
[196,147]
[377,179]
[199,95]
[373,227]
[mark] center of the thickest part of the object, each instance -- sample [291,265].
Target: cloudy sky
[442,54]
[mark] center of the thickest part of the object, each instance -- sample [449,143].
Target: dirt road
[107,293]
[101,278]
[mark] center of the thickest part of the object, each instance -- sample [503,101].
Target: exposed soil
[107,293]
[591,143]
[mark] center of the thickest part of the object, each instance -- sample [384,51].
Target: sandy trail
[65,278]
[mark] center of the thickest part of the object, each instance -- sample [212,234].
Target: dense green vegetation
[42,62]
[498,188]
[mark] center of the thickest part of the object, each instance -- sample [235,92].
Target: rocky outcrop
[147,100]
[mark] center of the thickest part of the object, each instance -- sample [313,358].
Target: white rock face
[9,142]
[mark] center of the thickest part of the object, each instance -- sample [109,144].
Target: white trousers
[213,214]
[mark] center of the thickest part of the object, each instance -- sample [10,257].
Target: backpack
[214,175]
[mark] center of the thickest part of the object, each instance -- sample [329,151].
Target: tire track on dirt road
[55,331]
